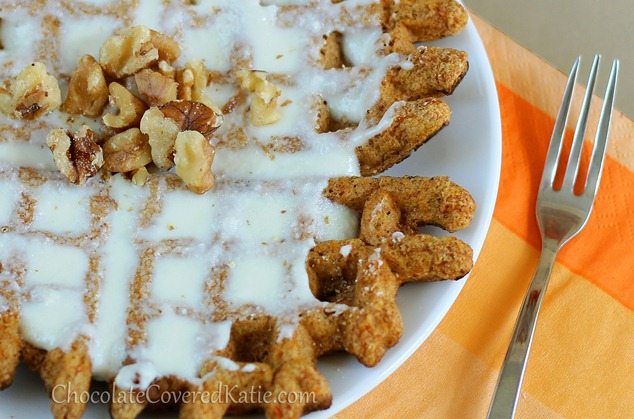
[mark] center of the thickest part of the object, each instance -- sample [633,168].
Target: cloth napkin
[582,360]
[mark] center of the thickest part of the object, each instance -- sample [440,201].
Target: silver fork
[561,214]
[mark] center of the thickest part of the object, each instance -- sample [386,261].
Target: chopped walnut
[163,124]
[166,69]
[264,106]
[134,49]
[130,108]
[77,156]
[87,90]
[192,81]
[193,158]
[31,94]
[140,176]
[155,88]
[194,116]
[168,49]
[127,151]
[162,134]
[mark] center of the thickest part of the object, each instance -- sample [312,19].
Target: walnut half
[193,116]
[31,94]
[163,124]
[77,156]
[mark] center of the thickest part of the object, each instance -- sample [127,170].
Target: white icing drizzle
[10,196]
[259,223]
[120,259]
[398,236]
[248,368]
[364,133]
[345,250]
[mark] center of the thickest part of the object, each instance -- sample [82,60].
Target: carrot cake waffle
[187,199]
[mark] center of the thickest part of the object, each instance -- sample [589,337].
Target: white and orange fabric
[582,361]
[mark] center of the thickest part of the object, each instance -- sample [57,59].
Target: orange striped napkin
[582,361]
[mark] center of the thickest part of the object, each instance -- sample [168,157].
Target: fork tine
[580,131]
[601,140]
[556,141]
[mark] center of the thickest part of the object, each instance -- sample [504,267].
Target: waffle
[224,301]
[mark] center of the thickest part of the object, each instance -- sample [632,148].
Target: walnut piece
[31,94]
[134,49]
[166,69]
[87,90]
[163,124]
[155,88]
[77,156]
[264,106]
[192,81]
[130,108]
[140,176]
[127,151]
[193,116]
[168,48]
[193,158]
[162,134]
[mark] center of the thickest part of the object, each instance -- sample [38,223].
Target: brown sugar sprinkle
[118,9]
[48,49]
[234,102]
[152,206]
[282,145]
[234,138]
[26,210]
[31,177]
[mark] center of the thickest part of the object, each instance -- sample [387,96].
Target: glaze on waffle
[155,289]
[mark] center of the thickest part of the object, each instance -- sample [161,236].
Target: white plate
[469,151]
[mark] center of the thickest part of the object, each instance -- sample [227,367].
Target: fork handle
[510,379]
